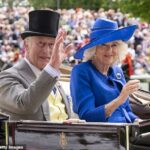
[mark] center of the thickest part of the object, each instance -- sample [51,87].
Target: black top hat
[42,23]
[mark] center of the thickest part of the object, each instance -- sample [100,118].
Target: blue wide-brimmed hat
[105,31]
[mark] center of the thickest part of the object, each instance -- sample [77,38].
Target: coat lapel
[65,99]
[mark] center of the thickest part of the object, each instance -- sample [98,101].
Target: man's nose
[46,48]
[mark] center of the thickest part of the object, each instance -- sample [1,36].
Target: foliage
[86,4]
[139,8]
[38,4]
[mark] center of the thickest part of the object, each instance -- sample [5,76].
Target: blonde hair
[89,53]
[121,46]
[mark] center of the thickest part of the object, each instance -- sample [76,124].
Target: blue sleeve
[130,113]
[128,107]
[83,98]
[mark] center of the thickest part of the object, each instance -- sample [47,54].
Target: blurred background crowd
[77,22]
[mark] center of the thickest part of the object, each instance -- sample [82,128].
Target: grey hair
[122,51]
[27,39]
[89,53]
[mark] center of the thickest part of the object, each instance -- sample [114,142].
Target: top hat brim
[31,33]
[123,34]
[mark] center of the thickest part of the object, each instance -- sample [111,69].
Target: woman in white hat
[98,87]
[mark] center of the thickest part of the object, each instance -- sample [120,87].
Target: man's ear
[27,44]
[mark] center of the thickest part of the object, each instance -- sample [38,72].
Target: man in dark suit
[25,87]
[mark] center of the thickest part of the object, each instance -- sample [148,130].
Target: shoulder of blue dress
[83,65]
[81,68]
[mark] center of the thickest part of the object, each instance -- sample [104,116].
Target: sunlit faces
[107,54]
[39,50]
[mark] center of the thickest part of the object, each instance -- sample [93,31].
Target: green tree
[87,4]
[38,4]
[8,3]
[12,3]
[138,8]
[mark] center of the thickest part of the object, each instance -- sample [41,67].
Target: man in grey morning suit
[25,87]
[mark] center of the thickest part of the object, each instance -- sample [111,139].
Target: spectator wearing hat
[28,89]
[98,87]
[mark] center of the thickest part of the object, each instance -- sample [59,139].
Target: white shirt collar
[35,70]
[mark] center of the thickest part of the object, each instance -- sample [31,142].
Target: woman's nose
[109,47]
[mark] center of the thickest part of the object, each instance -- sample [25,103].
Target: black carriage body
[57,136]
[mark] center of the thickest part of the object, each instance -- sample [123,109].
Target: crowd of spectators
[77,23]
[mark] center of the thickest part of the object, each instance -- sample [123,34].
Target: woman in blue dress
[98,87]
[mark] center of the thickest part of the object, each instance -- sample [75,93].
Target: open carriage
[40,135]
[35,135]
